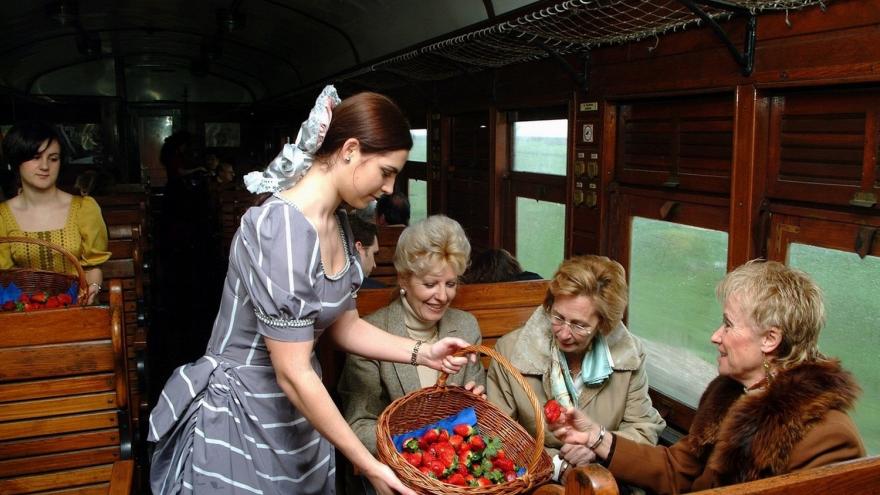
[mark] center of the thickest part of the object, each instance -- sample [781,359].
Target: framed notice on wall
[587,133]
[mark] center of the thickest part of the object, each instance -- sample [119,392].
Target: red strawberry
[456,479]
[509,476]
[52,302]
[456,441]
[503,464]
[9,306]
[416,459]
[443,435]
[39,297]
[482,481]
[552,410]
[24,298]
[436,468]
[477,443]
[463,430]
[427,471]
[65,299]
[428,437]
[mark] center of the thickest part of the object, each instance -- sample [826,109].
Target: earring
[768,372]
[348,158]
[402,292]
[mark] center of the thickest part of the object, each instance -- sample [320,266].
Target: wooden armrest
[121,478]
[549,489]
[591,479]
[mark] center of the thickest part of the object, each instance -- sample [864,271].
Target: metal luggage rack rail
[576,26]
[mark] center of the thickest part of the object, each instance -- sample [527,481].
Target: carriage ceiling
[270,50]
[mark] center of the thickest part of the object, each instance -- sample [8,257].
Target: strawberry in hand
[552,411]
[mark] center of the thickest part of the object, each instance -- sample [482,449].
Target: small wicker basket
[431,404]
[31,280]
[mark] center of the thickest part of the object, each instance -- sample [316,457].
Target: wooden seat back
[63,398]
[855,477]
[384,271]
[499,308]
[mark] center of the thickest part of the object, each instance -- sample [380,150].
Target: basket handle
[82,291]
[533,400]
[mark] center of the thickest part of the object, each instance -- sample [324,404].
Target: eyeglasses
[559,322]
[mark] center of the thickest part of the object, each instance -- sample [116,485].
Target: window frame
[709,212]
[540,187]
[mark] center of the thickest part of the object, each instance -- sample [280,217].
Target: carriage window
[418,200]
[419,151]
[540,146]
[852,333]
[539,253]
[673,272]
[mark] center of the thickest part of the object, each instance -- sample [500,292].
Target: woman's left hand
[439,355]
[573,427]
[476,389]
[577,455]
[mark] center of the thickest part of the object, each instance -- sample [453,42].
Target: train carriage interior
[681,138]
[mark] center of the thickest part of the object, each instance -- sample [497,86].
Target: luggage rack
[573,26]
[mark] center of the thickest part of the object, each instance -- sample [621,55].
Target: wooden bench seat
[856,477]
[64,425]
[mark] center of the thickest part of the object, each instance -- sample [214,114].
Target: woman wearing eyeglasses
[575,349]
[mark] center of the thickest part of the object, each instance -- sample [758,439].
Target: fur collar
[746,437]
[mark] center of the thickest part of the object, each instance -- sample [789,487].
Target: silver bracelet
[598,439]
[415,352]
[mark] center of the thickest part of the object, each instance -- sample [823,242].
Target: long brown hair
[373,119]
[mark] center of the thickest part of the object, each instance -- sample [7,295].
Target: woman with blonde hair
[430,257]
[575,349]
[778,405]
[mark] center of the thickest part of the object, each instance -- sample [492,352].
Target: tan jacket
[621,403]
[799,422]
[367,386]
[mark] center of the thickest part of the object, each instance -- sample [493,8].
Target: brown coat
[797,423]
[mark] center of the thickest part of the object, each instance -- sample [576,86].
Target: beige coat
[367,386]
[621,403]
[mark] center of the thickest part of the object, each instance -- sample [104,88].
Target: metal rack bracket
[745,58]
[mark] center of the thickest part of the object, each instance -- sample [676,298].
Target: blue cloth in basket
[466,416]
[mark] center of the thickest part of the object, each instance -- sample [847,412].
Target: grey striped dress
[222,424]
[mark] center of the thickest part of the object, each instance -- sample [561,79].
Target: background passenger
[496,265]
[431,254]
[393,210]
[576,349]
[778,405]
[367,245]
[42,211]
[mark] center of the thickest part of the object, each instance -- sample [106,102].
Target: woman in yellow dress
[40,210]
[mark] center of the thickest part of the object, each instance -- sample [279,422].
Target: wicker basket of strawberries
[27,289]
[447,440]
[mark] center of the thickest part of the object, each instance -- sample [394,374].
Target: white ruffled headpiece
[295,159]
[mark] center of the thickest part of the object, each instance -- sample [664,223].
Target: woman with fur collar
[575,349]
[430,257]
[778,405]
